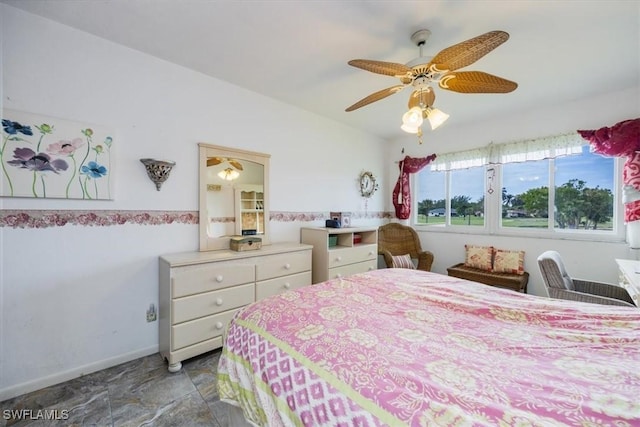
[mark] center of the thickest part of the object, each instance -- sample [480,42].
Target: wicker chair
[397,239]
[560,285]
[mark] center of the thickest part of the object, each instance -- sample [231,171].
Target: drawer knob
[287,285]
[219,278]
[370,268]
[339,276]
[218,325]
[339,258]
[287,266]
[370,252]
[219,301]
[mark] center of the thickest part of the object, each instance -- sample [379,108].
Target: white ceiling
[297,51]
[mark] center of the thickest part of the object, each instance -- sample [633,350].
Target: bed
[396,347]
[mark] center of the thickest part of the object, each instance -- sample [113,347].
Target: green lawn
[506,222]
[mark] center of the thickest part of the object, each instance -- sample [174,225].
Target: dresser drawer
[347,270]
[193,280]
[344,256]
[195,331]
[283,264]
[282,284]
[205,304]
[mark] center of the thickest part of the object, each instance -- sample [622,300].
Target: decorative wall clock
[368,184]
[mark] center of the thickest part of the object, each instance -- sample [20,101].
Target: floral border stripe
[60,218]
[44,219]
[321,216]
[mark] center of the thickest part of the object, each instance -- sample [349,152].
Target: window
[467,196]
[431,206]
[582,196]
[464,206]
[525,195]
[522,187]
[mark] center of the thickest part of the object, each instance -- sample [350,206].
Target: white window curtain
[548,147]
[461,160]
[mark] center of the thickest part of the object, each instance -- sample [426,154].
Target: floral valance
[548,147]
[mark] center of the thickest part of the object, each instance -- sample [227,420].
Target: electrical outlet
[152,315]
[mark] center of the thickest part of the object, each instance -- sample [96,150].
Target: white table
[630,278]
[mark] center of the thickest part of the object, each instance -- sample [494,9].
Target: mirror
[234,195]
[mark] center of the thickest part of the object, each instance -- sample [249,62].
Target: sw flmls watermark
[38,414]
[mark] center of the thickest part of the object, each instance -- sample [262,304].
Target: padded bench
[517,282]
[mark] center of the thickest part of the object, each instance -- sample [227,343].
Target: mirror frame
[205,150]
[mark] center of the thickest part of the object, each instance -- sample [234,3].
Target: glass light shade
[409,128]
[412,120]
[436,117]
[413,117]
[228,174]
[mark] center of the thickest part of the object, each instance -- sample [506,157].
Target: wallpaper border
[101,218]
[91,218]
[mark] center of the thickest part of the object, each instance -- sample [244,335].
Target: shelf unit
[250,204]
[339,252]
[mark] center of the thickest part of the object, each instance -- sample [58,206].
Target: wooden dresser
[201,291]
[339,252]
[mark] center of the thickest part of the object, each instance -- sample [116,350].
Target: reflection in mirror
[233,195]
[230,191]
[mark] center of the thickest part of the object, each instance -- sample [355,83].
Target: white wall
[73,298]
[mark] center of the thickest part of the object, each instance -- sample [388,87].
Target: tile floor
[137,393]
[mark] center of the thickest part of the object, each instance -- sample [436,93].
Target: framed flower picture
[45,157]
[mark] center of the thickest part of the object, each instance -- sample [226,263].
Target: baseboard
[60,377]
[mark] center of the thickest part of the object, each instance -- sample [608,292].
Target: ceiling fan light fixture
[228,174]
[436,117]
[412,120]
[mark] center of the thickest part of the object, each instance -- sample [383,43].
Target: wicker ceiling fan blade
[476,82]
[236,164]
[467,52]
[376,97]
[212,161]
[421,96]
[380,67]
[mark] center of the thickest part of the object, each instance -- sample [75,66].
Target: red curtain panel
[621,140]
[402,190]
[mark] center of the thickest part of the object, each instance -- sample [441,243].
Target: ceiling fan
[228,174]
[441,69]
[213,161]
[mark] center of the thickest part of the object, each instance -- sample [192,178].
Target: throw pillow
[508,261]
[479,257]
[402,261]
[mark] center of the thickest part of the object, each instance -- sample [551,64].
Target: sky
[596,170]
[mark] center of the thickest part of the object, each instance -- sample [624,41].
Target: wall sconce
[158,170]
[228,174]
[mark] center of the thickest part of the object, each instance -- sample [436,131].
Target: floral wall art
[45,157]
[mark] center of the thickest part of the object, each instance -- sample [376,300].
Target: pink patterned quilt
[399,347]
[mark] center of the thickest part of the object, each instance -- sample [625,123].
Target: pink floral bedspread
[399,347]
